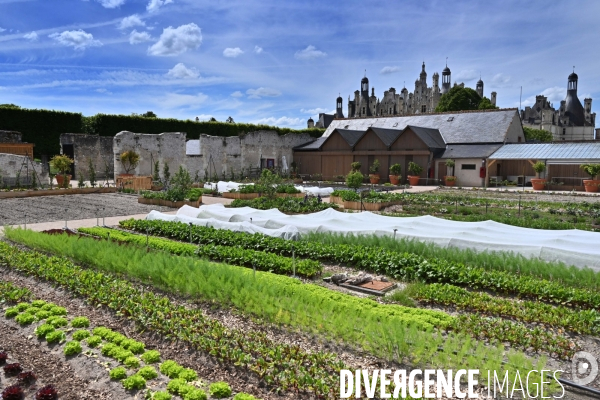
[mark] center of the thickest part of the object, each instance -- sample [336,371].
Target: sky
[282,62]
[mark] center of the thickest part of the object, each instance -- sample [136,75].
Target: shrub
[354,180]
[72,348]
[55,337]
[374,168]
[151,357]
[94,341]
[171,369]
[188,375]
[134,382]
[132,362]
[80,322]
[11,312]
[81,335]
[42,330]
[355,166]
[195,394]
[220,390]
[25,319]
[592,170]
[118,373]
[415,168]
[148,372]
[130,160]
[396,169]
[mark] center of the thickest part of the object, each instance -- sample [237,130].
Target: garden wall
[13,166]
[83,148]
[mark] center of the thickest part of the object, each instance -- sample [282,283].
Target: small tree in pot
[130,160]
[63,164]
[374,172]
[395,171]
[450,179]
[593,170]
[416,170]
[538,183]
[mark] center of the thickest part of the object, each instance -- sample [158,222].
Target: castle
[571,121]
[423,100]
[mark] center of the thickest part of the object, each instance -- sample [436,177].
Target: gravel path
[527,195]
[73,207]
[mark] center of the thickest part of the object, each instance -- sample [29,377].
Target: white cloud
[31,36]
[258,49]
[175,100]
[309,53]
[389,70]
[174,41]
[103,91]
[154,5]
[465,75]
[500,78]
[2,29]
[554,94]
[285,121]
[111,3]
[313,111]
[136,37]
[262,92]
[232,52]
[204,117]
[131,21]
[180,71]
[78,39]
[237,94]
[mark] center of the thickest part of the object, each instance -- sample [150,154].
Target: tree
[459,99]
[149,114]
[13,106]
[230,120]
[537,134]
[486,104]
[130,159]
[267,182]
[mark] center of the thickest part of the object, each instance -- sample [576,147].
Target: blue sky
[280,63]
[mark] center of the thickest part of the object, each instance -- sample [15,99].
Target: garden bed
[55,192]
[240,196]
[168,203]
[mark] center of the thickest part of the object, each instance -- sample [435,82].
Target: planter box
[336,200]
[355,205]
[167,203]
[297,195]
[56,192]
[240,196]
[134,182]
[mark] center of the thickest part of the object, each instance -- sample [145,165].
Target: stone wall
[82,148]
[13,166]
[10,137]
[166,148]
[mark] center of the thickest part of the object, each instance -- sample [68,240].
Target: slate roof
[192,148]
[387,136]
[489,126]
[351,136]
[431,137]
[310,146]
[583,152]
[470,150]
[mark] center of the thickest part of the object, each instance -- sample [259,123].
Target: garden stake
[147,248]
[25,225]
[519,205]
[190,233]
[395,233]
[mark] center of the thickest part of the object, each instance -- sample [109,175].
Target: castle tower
[364,96]
[311,123]
[423,76]
[436,83]
[446,80]
[573,107]
[338,108]
[479,88]
[493,98]
[587,108]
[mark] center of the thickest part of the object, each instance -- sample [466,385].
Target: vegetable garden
[492,312]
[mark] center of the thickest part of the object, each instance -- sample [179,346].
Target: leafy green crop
[171,369]
[25,319]
[161,396]
[244,396]
[118,373]
[220,390]
[151,357]
[55,337]
[132,362]
[42,314]
[195,394]
[42,330]
[148,372]
[188,375]
[72,348]
[81,334]
[57,321]
[80,322]
[94,341]
[134,382]
[11,312]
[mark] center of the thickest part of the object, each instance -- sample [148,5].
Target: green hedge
[44,127]
[41,127]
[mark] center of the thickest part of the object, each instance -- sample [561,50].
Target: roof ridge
[435,113]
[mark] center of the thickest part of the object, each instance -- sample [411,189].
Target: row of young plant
[582,321]
[258,188]
[404,266]
[553,344]
[130,354]
[259,260]
[285,204]
[174,194]
[388,331]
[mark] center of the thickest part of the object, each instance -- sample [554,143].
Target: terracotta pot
[413,180]
[395,179]
[374,178]
[538,184]
[591,185]
[450,182]
[125,175]
[59,180]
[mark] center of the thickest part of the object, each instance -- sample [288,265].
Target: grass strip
[391,332]
[404,266]
[232,255]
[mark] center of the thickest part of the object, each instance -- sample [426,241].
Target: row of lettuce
[135,365]
[389,331]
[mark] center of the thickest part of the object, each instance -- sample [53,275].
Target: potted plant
[395,171]
[130,159]
[62,163]
[416,170]
[356,166]
[374,169]
[593,170]
[538,183]
[450,180]
[293,169]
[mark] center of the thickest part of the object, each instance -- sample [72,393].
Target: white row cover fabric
[223,187]
[573,247]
